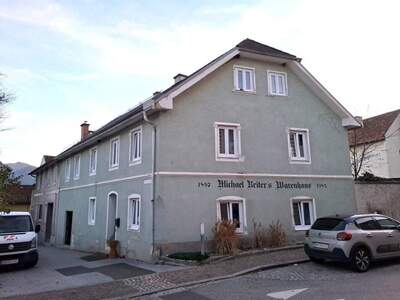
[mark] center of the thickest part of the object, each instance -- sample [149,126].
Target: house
[375,148]
[251,136]
[20,195]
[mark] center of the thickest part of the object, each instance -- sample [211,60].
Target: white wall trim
[106,181]
[253,175]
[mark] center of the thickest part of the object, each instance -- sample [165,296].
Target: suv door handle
[369,235]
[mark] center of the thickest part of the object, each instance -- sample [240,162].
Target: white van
[18,239]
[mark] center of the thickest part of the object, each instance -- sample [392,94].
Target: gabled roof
[374,129]
[164,100]
[253,46]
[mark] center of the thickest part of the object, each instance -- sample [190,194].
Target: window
[232,209]
[367,223]
[38,181]
[303,211]
[114,153]
[77,166]
[386,223]
[244,79]
[55,171]
[227,140]
[92,161]
[133,212]
[277,83]
[67,170]
[299,145]
[40,213]
[135,146]
[92,211]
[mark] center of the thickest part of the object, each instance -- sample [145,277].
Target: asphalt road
[305,281]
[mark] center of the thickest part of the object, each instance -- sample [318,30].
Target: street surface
[304,281]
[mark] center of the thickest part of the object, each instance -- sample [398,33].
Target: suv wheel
[361,259]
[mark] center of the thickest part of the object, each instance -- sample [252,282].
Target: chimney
[178,77]
[85,130]
[359,120]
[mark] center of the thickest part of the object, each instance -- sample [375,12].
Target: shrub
[225,237]
[260,235]
[276,235]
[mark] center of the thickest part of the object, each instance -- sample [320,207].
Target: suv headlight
[34,243]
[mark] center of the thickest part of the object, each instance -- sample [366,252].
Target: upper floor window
[227,140]
[299,145]
[92,161]
[244,79]
[303,211]
[77,166]
[114,153]
[67,170]
[277,83]
[38,181]
[135,146]
[134,212]
[92,211]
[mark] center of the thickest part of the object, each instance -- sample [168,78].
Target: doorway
[111,216]
[49,222]
[68,228]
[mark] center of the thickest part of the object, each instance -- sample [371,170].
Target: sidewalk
[147,284]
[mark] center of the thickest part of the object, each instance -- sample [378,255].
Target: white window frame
[313,212]
[115,165]
[77,174]
[137,160]
[92,221]
[236,69]
[242,211]
[269,80]
[67,170]
[92,171]
[306,144]
[237,156]
[137,199]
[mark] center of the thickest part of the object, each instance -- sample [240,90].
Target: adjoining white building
[379,139]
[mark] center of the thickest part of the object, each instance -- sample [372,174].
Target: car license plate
[321,245]
[9,262]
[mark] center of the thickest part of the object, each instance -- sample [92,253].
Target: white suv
[356,239]
[18,239]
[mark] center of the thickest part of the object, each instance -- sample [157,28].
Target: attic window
[244,79]
[277,83]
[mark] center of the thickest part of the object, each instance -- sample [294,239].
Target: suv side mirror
[37,228]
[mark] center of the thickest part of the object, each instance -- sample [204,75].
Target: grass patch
[189,256]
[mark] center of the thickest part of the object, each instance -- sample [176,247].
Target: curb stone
[213,279]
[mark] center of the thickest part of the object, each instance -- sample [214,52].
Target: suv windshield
[12,224]
[330,224]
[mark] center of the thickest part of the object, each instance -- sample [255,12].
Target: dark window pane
[386,223]
[307,213]
[224,211]
[221,141]
[301,145]
[293,144]
[235,214]
[231,139]
[296,213]
[367,223]
[329,224]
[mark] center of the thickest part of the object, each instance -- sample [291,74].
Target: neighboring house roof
[373,130]
[164,100]
[22,171]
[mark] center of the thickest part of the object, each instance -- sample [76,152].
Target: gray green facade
[181,182]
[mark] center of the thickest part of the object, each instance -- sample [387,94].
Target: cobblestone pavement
[329,281]
[169,279]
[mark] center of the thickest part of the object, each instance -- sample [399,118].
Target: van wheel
[361,259]
[30,263]
[317,260]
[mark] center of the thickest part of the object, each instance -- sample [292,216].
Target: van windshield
[13,224]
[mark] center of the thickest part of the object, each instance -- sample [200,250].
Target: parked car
[355,239]
[18,239]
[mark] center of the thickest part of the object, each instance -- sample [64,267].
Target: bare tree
[5,98]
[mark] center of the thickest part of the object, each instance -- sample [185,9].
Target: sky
[72,61]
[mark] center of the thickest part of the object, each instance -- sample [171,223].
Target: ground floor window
[232,209]
[92,211]
[303,211]
[133,212]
